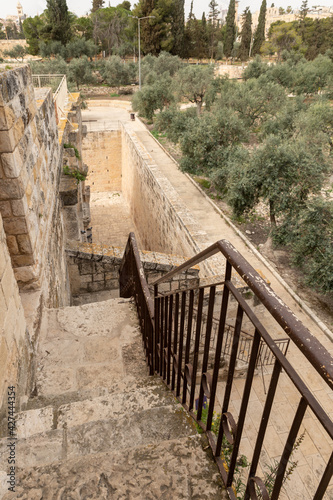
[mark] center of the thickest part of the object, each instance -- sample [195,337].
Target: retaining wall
[95,268]
[15,348]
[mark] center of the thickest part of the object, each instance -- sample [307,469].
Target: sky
[82,7]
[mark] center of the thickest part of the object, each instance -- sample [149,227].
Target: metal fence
[173,331]
[58,84]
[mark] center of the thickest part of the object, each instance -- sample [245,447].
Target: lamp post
[139,19]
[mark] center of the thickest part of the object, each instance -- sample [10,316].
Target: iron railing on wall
[175,327]
[58,84]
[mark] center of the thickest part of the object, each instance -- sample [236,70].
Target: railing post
[157,327]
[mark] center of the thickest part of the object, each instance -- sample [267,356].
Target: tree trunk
[272,213]
[199,105]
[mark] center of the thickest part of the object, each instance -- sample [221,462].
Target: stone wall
[33,213]
[15,349]
[31,167]
[102,152]
[233,71]
[163,221]
[30,156]
[95,268]
[9,44]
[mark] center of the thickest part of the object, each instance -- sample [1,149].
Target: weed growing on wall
[76,151]
[74,173]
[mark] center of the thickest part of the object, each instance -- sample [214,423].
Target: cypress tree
[177,28]
[150,28]
[230,32]
[202,38]
[97,4]
[246,35]
[213,26]
[188,35]
[58,25]
[259,36]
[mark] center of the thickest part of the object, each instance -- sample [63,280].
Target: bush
[115,72]
[153,97]
[309,236]
[80,71]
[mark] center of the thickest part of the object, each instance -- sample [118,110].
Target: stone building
[273,15]
[16,19]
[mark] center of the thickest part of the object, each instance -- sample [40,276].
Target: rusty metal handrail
[315,352]
[181,347]
[133,283]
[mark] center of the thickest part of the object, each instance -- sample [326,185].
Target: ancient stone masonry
[154,203]
[102,152]
[15,346]
[33,217]
[95,268]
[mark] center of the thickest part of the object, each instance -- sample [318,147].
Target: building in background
[14,21]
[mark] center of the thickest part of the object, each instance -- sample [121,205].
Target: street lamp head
[145,17]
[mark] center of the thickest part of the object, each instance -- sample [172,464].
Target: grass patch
[157,134]
[205,183]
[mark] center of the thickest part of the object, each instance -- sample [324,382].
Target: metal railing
[58,84]
[132,283]
[49,80]
[172,339]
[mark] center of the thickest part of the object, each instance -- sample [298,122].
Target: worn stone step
[109,406]
[176,469]
[89,347]
[132,429]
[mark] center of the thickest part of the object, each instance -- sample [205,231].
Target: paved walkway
[312,456]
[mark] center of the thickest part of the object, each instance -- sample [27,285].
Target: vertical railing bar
[302,406]
[196,348]
[207,345]
[162,335]
[157,326]
[188,342]
[223,317]
[244,405]
[226,350]
[169,338]
[181,341]
[175,341]
[263,424]
[232,365]
[152,347]
[166,333]
[324,480]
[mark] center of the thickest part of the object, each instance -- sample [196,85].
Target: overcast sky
[81,7]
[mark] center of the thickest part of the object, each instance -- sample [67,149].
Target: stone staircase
[97,426]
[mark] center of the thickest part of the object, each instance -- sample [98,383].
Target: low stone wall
[15,347]
[232,71]
[95,268]
[10,44]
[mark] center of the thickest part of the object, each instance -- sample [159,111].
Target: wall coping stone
[106,253]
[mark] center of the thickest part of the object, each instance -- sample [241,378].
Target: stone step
[89,347]
[170,470]
[109,406]
[131,429]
